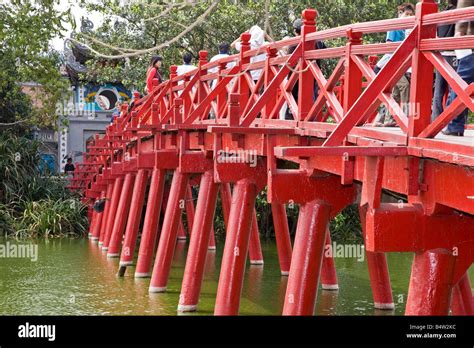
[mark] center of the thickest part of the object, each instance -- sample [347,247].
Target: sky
[78,12]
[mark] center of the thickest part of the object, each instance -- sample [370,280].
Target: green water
[73,277]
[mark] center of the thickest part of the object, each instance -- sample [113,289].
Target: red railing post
[178,111]
[244,89]
[306,78]
[155,114]
[233,116]
[352,74]
[201,84]
[269,75]
[171,97]
[421,89]
[187,99]
[221,97]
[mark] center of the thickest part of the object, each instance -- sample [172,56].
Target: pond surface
[73,277]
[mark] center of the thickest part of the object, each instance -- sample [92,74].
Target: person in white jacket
[224,49]
[257,40]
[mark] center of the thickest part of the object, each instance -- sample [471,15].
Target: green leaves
[31,204]
[26,28]
[148,24]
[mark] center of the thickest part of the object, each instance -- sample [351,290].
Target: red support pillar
[190,212]
[255,249]
[199,241]
[378,273]
[98,224]
[462,297]
[307,258]
[134,218]
[212,239]
[328,271]
[282,235]
[236,248]
[112,211]
[121,216]
[169,233]
[151,222]
[105,218]
[226,199]
[181,230]
[431,284]
[92,221]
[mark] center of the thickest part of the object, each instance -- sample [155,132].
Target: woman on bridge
[154,72]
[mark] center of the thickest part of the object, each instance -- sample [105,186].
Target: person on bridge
[441,85]
[224,49]
[297,25]
[465,71]
[401,91]
[186,66]
[154,72]
[257,40]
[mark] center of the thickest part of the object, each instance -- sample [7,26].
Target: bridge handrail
[279,73]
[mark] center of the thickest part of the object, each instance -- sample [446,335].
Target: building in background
[89,109]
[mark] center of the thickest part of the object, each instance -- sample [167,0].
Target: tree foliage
[145,24]
[26,28]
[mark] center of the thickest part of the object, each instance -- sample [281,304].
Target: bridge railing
[351,95]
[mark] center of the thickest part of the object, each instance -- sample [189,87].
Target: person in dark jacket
[297,25]
[441,86]
[69,167]
[465,71]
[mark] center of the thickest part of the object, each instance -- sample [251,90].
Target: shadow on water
[74,277]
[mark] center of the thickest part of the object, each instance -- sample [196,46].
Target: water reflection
[282,293]
[254,282]
[210,264]
[74,277]
[327,302]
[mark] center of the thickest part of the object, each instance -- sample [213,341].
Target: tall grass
[32,205]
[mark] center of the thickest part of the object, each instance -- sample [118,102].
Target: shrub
[32,205]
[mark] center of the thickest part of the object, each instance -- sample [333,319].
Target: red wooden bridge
[200,128]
